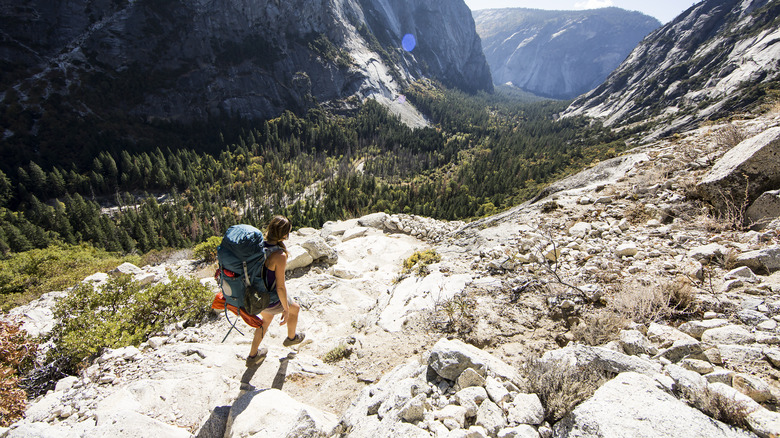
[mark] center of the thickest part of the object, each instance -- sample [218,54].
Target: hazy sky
[664,10]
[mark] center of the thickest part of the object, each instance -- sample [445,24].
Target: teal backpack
[241,257]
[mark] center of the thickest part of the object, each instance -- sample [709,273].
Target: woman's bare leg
[292,319]
[260,333]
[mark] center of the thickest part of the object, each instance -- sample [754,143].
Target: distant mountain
[718,57]
[558,54]
[187,60]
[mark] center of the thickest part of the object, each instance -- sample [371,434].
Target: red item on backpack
[219,303]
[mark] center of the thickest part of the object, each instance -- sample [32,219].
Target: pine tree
[6,190]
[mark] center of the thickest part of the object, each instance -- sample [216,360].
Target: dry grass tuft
[719,406]
[637,214]
[679,294]
[599,328]
[729,136]
[560,387]
[455,315]
[643,301]
[639,301]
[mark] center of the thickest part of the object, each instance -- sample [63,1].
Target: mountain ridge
[714,59]
[184,61]
[558,54]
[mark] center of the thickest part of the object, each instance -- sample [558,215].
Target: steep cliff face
[185,60]
[558,54]
[719,56]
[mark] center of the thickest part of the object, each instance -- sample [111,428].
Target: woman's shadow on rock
[278,380]
[216,424]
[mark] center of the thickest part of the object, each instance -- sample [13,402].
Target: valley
[473,256]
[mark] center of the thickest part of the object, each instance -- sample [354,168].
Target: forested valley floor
[481,154]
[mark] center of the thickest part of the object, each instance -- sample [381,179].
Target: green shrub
[421,260]
[25,276]
[121,313]
[341,351]
[207,251]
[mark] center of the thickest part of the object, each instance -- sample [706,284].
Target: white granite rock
[633,405]
[730,334]
[525,409]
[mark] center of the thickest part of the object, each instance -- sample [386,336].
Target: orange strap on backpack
[219,303]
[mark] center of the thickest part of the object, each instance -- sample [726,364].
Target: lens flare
[409,42]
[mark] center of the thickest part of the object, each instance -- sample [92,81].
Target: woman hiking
[273,274]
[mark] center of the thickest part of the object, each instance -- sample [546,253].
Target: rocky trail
[444,350]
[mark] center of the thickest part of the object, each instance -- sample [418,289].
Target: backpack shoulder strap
[267,251]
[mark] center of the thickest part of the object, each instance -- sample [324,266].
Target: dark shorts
[276,308]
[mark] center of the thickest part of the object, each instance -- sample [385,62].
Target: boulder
[697,328]
[23,429]
[525,409]
[496,391]
[708,252]
[751,167]
[469,377]
[753,387]
[626,250]
[751,317]
[601,359]
[470,398]
[773,356]
[729,334]
[635,343]
[375,220]
[686,381]
[634,405]
[681,349]
[271,412]
[580,229]
[765,208]
[452,414]
[37,317]
[764,422]
[414,410]
[742,273]
[521,431]
[345,272]
[354,233]
[96,279]
[449,358]
[696,365]
[298,257]
[765,260]
[318,249]
[742,354]
[491,417]
[126,268]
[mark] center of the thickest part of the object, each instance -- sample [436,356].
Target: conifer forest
[481,154]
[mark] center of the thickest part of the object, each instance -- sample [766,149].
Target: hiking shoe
[256,360]
[294,341]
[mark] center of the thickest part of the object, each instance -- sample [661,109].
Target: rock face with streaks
[558,54]
[177,60]
[709,61]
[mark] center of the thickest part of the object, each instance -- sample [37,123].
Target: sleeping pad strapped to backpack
[241,257]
